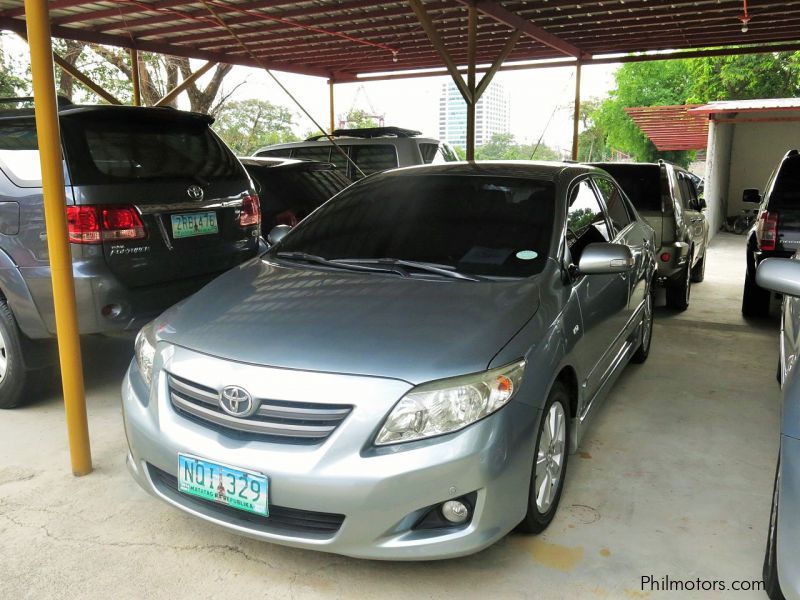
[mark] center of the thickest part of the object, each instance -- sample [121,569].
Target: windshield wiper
[438,269]
[336,264]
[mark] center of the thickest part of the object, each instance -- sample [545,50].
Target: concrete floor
[674,479]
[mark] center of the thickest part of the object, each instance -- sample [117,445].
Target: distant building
[492,115]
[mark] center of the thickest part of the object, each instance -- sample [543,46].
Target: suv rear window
[786,191]
[641,183]
[108,149]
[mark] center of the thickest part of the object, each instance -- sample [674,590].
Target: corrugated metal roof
[759,105]
[672,127]
[340,39]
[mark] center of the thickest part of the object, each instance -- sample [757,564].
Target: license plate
[244,490]
[191,224]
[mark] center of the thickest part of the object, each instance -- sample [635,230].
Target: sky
[541,99]
[538,96]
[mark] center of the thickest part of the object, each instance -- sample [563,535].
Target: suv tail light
[767,231]
[98,224]
[251,211]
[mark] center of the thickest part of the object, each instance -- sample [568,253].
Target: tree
[247,125]
[357,118]
[503,146]
[592,140]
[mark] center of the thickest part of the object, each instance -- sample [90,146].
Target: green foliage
[358,119]
[580,218]
[250,124]
[503,146]
[697,80]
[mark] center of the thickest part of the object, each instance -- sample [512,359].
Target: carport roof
[342,39]
[672,127]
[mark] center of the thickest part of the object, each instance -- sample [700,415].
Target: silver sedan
[403,374]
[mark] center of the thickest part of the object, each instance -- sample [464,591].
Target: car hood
[412,329]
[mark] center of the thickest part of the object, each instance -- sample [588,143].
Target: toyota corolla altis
[404,374]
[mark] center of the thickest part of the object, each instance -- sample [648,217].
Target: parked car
[403,375]
[781,569]
[290,190]
[369,150]
[157,206]
[665,195]
[776,232]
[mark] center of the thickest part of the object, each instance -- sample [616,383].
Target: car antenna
[283,87]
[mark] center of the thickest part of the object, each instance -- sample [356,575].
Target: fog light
[111,311]
[665,257]
[455,511]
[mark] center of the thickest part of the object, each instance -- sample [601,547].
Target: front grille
[290,520]
[275,420]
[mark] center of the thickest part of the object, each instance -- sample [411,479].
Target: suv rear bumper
[104,304]
[676,254]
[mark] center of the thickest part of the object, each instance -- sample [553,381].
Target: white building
[492,115]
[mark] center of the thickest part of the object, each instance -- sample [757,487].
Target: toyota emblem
[236,401]
[195,192]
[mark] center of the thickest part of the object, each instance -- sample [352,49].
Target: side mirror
[780,275]
[600,259]
[278,233]
[752,196]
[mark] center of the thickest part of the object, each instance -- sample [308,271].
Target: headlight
[146,351]
[450,404]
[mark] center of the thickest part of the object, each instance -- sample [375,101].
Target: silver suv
[666,196]
[157,206]
[369,150]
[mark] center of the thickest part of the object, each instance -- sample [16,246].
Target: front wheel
[550,462]
[770,573]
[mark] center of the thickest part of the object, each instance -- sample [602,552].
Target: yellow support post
[37,17]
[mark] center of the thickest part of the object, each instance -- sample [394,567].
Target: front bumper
[788,518]
[381,492]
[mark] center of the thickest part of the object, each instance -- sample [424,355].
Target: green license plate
[244,490]
[191,224]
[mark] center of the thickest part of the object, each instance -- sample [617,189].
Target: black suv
[157,206]
[291,189]
[776,232]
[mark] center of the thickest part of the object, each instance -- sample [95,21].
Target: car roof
[350,141]
[66,109]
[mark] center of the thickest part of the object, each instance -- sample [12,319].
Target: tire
[770,572]
[699,270]
[546,460]
[678,293]
[740,226]
[755,300]
[643,351]
[13,374]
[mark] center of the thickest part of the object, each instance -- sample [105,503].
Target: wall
[718,155]
[757,149]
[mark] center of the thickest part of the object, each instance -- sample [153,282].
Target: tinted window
[615,203]
[109,149]
[320,153]
[436,153]
[641,183]
[477,224]
[688,191]
[373,158]
[282,153]
[786,190]
[19,153]
[291,194]
[586,223]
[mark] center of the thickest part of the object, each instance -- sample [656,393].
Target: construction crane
[372,114]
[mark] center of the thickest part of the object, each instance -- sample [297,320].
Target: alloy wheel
[550,456]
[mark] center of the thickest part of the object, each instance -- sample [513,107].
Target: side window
[615,203]
[321,153]
[677,192]
[19,153]
[586,223]
[688,191]
[373,158]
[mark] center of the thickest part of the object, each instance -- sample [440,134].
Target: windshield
[482,225]
[110,149]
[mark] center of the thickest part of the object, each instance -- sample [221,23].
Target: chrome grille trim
[301,421]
